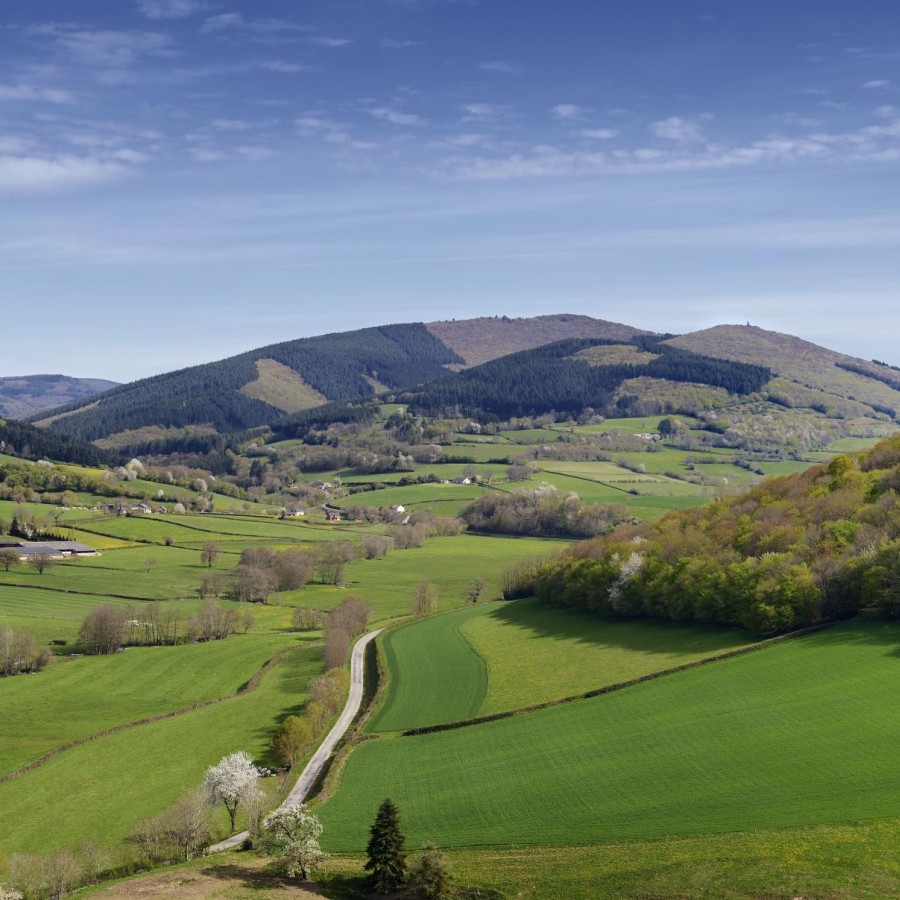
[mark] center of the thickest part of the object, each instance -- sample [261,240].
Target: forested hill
[573,375]
[791,552]
[259,386]
[20,439]
[25,395]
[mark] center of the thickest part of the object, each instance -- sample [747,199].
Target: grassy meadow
[794,735]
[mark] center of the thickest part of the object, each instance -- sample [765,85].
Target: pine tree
[387,861]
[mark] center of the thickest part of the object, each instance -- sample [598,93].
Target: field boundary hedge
[252,684]
[618,686]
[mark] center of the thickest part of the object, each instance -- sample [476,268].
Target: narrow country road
[314,767]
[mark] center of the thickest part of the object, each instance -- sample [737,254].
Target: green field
[503,656]
[797,734]
[83,696]
[102,788]
[435,673]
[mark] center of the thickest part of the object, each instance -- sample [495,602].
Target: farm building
[56,549]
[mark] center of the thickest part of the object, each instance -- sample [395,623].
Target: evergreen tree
[386,859]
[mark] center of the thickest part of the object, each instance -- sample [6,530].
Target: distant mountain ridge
[25,395]
[258,387]
[751,378]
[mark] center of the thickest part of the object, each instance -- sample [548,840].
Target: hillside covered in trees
[20,439]
[558,378]
[793,551]
[239,393]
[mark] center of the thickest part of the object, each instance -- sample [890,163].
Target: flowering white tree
[230,781]
[292,833]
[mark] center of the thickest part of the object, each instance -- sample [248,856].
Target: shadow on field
[545,620]
[258,880]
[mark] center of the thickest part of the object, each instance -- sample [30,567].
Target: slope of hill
[481,340]
[558,377]
[809,375]
[24,395]
[28,442]
[257,387]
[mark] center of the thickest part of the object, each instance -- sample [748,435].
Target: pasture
[502,656]
[797,734]
[103,787]
[83,696]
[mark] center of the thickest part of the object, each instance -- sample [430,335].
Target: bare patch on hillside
[615,355]
[44,423]
[282,388]
[481,340]
[151,434]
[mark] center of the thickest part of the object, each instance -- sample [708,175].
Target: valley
[520,719]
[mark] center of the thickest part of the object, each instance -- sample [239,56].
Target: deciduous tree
[292,835]
[229,780]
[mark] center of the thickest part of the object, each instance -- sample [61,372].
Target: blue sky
[185,179]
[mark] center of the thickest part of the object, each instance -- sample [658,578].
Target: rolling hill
[259,386]
[769,388]
[25,395]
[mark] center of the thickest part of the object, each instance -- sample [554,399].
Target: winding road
[314,767]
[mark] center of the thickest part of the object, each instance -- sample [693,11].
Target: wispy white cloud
[485,113]
[55,174]
[287,68]
[332,43]
[113,49]
[393,44]
[569,111]
[876,84]
[320,126]
[225,22]
[599,134]
[205,154]
[398,117]
[678,129]
[502,67]
[255,152]
[872,144]
[172,9]
[230,125]
[27,92]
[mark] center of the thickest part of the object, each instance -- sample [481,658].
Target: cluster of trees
[20,653]
[342,625]
[108,628]
[549,379]
[296,734]
[386,859]
[542,512]
[791,552]
[335,365]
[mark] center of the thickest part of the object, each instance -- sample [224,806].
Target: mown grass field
[535,652]
[502,656]
[435,673]
[798,734]
[102,788]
